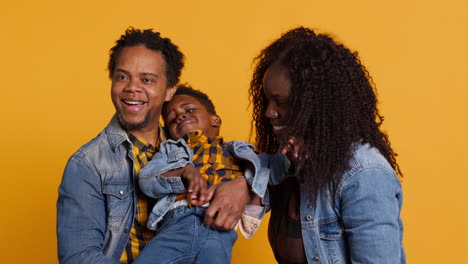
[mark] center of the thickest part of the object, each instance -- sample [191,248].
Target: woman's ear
[216,121]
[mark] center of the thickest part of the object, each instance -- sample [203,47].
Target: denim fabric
[95,207]
[183,238]
[176,154]
[361,223]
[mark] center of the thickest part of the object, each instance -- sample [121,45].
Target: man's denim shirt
[96,203]
[362,223]
[176,154]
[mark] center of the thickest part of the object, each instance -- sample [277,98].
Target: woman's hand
[292,148]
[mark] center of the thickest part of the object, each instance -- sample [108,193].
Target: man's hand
[197,192]
[227,205]
[255,199]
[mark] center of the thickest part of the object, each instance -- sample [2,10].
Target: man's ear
[216,121]
[170,91]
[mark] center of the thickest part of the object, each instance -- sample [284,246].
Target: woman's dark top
[284,230]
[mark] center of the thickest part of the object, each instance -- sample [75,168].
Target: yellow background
[56,97]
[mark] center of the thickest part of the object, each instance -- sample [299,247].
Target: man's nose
[133,86]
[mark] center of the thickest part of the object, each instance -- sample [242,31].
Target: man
[101,213]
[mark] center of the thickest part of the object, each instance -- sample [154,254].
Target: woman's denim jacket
[176,154]
[362,223]
[96,203]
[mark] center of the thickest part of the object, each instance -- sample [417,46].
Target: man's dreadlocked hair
[332,105]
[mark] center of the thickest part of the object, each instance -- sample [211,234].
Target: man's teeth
[133,102]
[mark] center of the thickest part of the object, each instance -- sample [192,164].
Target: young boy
[194,156]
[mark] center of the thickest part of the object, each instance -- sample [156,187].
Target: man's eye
[190,110]
[147,80]
[121,77]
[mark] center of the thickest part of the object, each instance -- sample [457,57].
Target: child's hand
[197,191]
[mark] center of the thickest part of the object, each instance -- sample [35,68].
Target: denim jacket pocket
[330,229]
[331,234]
[176,155]
[119,200]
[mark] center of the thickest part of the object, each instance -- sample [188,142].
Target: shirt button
[255,225]
[125,230]
[316,258]
[309,217]
[121,192]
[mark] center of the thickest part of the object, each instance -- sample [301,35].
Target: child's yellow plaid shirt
[211,158]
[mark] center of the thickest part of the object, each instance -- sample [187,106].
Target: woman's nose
[271,112]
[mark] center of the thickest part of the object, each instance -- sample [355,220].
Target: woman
[340,200]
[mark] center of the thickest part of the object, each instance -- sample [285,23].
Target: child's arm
[172,157]
[197,191]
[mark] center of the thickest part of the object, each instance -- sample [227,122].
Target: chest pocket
[330,229]
[118,202]
[331,235]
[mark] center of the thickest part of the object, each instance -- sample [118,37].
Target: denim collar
[115,133]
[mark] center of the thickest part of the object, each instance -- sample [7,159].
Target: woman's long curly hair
[332,105]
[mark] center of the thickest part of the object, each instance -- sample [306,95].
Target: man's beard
[127,126]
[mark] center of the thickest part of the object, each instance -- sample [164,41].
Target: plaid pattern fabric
[139,234]
[211,158]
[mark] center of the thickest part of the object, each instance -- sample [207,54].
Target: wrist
[242,179]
